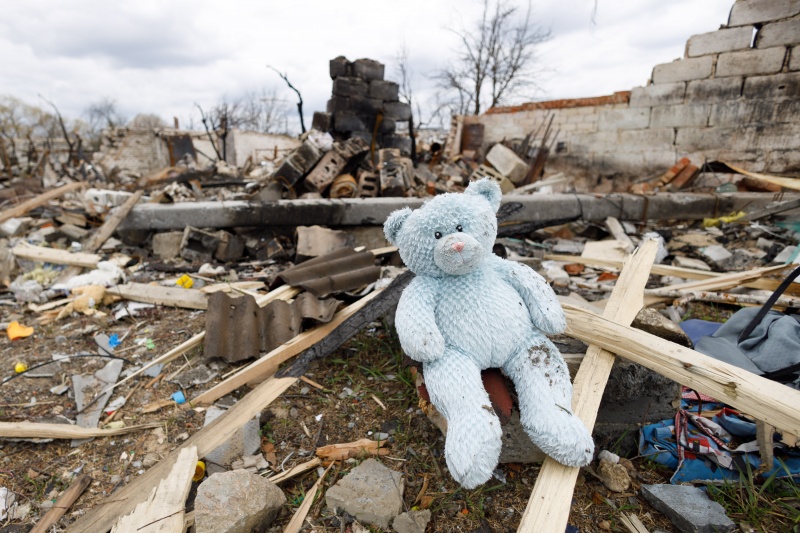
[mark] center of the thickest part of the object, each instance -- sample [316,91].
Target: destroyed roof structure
[177,326]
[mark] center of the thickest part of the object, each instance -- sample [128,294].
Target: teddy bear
[467,310]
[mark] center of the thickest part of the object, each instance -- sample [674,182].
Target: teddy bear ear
[487,188]
[394,223]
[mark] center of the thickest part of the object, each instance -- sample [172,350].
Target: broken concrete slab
[370,492]
[716,253]
[655,323]
[236,502]
[412,521]
[395,172]
[313,241]
[689,508]
[508,163]
[167,245]
[244,441]
[197,245]
[86,387]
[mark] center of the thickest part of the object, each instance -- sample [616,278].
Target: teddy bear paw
[471,474]
[576,446]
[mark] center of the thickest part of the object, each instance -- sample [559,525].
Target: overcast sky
[163,56]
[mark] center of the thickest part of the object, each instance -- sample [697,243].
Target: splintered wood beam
[42,199]
[549,504]
[296,523]
[55,256]
[63,504]
[102,517]
[36,430]
[163,511]
[759,397]
[160,295]
[104,232]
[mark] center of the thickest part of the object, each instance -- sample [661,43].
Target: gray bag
[759,340]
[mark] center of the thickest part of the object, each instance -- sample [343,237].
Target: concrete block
[349,86]
[326,170]
[755,11]
[395,172]
[622,119]
[654,95]
[775,87]
[198,246]
[298,163]
[778,34]
[697,68]
[714,90]
[370,492]
[399,111]
[783,161]
[321,121]
[794,59]
[387,127]
[688,508]
[236,502]
[244,441]
[508,163]
[724,40]
[349,121]
[230,247]
[386,91]
[699,139]
[742,112]
[368,69]
[595,142]
[412,521]
[340,67]
[679,116]
[750,62]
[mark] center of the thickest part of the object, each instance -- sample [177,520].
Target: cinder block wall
[734,96]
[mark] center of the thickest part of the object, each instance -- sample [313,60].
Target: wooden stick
[160,295]
[763,399]
[684,297]
[42,199]
[55,256]
[63,504]
[103,516]
[295,470]
[101,235]
[296,523]
[163,511]
[35,430]
[725,281]
[268,364]
[618,232]
[549,504]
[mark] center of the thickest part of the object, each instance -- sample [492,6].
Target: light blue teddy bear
[467,310]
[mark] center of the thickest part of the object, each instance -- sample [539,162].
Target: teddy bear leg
[542,382]
[472,446]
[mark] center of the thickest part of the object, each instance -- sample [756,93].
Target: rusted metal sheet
[341,270]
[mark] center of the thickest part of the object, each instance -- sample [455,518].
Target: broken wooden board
[55,256]
[63,504]
[549,504]
[33,430]
[788,183]
[160,295]
[348,450]
[163,511]
[296,523]
[42,199]
[103,516]
[759,397]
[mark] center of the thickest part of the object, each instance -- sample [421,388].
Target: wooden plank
[788,183]
[36,430]
[55,256]
[549,504]
[296,523]
[618,232]
[725,281]
[42,199]
[163,511]
[761,398]
[764,434]
[63,504]
[268,364]
[160,295]
[103,516]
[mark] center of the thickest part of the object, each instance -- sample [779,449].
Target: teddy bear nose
[457,246]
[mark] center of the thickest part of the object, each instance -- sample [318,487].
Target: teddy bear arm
[416,323]
[540,299]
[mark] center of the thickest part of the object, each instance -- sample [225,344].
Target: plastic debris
[179,397]
[199,471]
[185,281]
[15,331]
[20,367]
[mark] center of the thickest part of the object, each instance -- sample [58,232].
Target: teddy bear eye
[438,234]
[459,228]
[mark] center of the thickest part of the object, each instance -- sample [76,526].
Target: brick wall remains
[734,96]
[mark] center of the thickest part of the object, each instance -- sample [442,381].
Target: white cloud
[162,57]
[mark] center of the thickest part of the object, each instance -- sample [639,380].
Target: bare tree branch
[299,96]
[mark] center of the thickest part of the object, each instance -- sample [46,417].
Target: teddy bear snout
[457,246]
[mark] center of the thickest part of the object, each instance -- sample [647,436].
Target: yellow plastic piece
[709,222]
[185,281]
[19,368]
[199,471]
[16,331]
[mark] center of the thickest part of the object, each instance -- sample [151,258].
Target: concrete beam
[373,212]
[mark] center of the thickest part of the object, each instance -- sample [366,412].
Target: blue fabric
[696,328]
